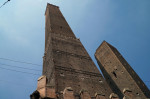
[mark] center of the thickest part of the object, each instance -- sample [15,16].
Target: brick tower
[118,73]
[68,70]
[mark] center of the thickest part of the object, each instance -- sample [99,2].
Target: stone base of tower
[44,91]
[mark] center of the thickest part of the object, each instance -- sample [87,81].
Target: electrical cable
[4,3]
[147,81]
[18,84]
[20,61]
[19,71]
[19,67]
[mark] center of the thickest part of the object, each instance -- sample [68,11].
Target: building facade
[70,73]
[118,73]
[66,63]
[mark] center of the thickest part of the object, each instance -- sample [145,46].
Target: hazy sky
[123,23]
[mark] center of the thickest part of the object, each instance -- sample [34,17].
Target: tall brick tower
[119,74]
[68,70]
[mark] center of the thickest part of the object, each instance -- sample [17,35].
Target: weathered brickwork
[70,73]
[118,73]
[66,63]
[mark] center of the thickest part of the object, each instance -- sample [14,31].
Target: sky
[125,24]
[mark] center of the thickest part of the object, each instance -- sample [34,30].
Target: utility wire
[19,67]
[19,71]
[4,3]
[19,61]
[18,84]
[146,81]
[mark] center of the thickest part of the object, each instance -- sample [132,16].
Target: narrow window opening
[138,94]
[114,74]
[62,74]
[100,81]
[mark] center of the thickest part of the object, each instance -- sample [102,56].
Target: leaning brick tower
[68,70]
[119,74]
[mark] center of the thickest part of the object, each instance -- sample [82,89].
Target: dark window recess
[137,93]
[114,74]
[61,27]
[100,81]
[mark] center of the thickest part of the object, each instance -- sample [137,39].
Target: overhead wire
[18,84]
[19,67]
[146,81]
[19,61]
[4,3]
[19,71]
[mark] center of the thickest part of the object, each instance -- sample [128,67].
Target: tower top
[50,5]
[104,43]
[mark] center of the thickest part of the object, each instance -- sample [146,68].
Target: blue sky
[123,23]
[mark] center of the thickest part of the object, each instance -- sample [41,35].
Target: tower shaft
[118,73]
[66,63]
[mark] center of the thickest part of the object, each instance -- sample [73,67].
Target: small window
[62,74]
[114,74]
[138,94]
[100,81]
